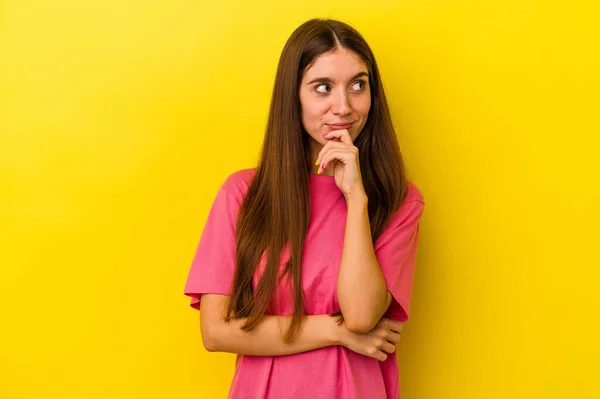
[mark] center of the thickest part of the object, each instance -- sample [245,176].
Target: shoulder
[411,208]
[413,193]
[238,182]
[404,221]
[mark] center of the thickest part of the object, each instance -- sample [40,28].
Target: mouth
[339,126]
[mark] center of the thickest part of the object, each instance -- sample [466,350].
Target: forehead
[339,64]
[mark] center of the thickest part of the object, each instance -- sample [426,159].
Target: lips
[339,126]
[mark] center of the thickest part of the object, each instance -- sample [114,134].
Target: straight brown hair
[276,209]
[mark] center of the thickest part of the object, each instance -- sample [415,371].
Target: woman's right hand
[375,343]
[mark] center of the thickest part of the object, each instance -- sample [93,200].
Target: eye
[320,89]
[361,86]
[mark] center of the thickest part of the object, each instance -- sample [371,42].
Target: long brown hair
[276,209]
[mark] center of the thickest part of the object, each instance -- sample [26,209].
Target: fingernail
[317,162]
[319,171]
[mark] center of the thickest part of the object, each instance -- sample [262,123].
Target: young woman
[305,264]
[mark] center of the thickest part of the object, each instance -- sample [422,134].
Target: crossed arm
[266,339]
[362,295]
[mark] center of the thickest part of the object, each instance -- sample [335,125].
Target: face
[335,91]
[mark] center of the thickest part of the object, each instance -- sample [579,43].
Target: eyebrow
[328,80]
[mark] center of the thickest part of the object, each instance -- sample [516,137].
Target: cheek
[314,111]
[363,105]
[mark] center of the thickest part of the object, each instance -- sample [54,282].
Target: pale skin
[361,289]
[336,90]
[318,331]
[333,90]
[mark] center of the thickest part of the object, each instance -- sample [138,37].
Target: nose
[341,104]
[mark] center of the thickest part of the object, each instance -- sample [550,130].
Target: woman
[305,265]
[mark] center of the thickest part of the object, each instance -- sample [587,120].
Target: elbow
[209,339]
[361,315]
[362,319]
[359,324]
[209,344]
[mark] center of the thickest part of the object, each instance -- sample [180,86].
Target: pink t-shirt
[330,372]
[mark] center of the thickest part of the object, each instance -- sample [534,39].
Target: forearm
[266,339]
[361,288]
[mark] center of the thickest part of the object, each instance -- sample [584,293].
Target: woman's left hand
[342,155]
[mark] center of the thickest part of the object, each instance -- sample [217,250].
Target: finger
[379,355]
[326,148]
[339,154]
[374,351]
[388,347]
[394,325]
[393,337]
[342,134]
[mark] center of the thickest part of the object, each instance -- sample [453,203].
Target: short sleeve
[213,265]
[396,252]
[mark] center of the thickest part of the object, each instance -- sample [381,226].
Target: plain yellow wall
[119,120]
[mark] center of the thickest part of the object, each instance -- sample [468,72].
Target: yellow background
[119,120]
